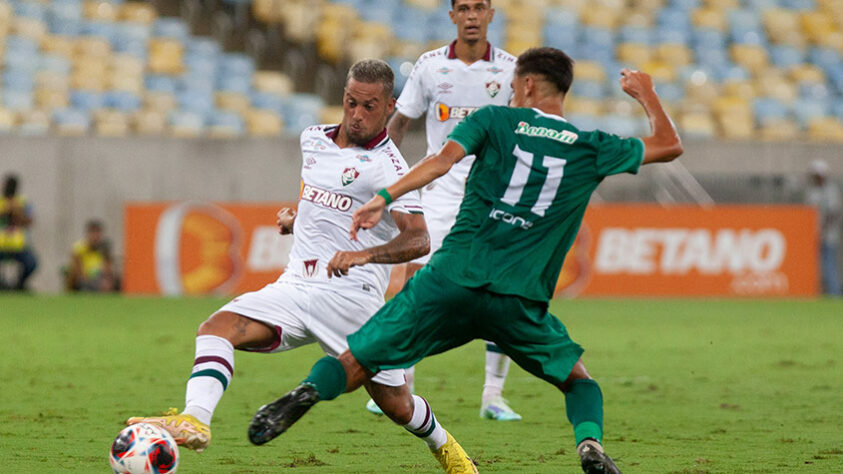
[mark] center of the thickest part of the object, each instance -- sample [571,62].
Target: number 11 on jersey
[524,164]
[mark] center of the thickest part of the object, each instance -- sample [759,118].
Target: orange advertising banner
[189,248]
[739,251]
[622,250]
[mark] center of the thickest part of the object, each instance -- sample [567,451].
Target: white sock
[423,424]
[497,366]
[410,378]
[214,364]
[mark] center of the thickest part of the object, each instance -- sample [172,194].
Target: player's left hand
[342,261]
[367,216]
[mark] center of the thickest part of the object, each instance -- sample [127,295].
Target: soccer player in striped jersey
[492,279]
[448,84]
[332,285]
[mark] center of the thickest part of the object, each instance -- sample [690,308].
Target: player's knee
[400,411]
[218,324]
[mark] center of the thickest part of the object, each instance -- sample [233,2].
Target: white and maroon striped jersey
[448,90]
[334,183]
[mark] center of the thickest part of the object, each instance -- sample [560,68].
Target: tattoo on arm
[412,242]
[241,325]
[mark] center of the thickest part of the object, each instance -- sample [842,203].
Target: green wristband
[385,195]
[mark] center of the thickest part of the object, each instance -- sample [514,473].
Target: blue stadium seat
[636,34]
[18,80]
[816,90]
[122,100]
[187,120]
[237,84]
[674,17]
[584,121]
[672,34]
[767,109]
[20,44]
[670,92]
[686,5]
[265,100]
[229,122]
[86,100]
[101,29]
[64,17]
[589,89]
[201,65]
[33,10]
[160,84]
[806,110]
[799,4]
[760,5]
[54,63]
[192,100]
[22,61]
[173,28]
[205,47]
[237,64]
[17,99]
[785,56]
[73,117]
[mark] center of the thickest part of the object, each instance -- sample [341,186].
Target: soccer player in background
[16,218]
[449,83]
[343,167]
[525,199]
[91,264]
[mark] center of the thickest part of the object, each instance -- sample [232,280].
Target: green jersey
[525,197]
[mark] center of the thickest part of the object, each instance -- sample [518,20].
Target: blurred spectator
[91,266]
[15,220]
[824,195]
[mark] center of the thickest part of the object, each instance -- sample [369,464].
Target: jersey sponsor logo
[349,175]
[444,70]
[309,161]
[310,268]
[672,251]
[363,158]
[492,88]
[445,113]
[562,136]
[510,219]
[325,198]
[494,70]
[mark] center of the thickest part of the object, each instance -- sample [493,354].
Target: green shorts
[432,314]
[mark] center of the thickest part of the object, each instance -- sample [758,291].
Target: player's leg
[410,269]
[250,322]
[538,342]
[493,405]
[28,263]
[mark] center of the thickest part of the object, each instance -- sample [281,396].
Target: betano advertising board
[622,250]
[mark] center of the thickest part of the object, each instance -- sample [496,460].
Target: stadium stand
[734,69]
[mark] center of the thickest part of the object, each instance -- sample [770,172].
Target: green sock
[584,407]
[328,378]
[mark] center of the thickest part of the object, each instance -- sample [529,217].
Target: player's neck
[341,138]
[548,105]
[470,52]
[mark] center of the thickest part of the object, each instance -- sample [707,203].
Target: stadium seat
[186,124]
[225,124]
[826,129]
[233,101]
[8,120]
[264,123]
[33,123]
[150,122]
[71,121]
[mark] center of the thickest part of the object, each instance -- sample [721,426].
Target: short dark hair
[373,71]
[10,185]
[93,224]
[454,2]
[552,64]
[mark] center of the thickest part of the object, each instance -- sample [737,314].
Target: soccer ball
[144,448]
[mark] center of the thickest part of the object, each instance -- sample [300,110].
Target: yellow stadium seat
[6,12]
[165,56]
[61,45]
[677,55]
[300,20]
[127,64]
[826,129]
[721,4]
[589,71]
[697,124]
[119,81]
[264,123]
[101,11]
[576,105]
[52,80]
[661,71]
[138,12]
[806,73]
[425,4]
[159,101]
[34,122]
[779,131]
[8,118]
[782,25]
[51,99]
[710,18]
[332,114]
[736,127]
[274,82]
[90,66]
[92,47]
[634,53]
[29,27]
[753,57]
[150,122]
[88,81]
[646,5]
[601,17]
[704,92]
[111,123]
[772,83]
[233,101]
[817,24]
[516,46]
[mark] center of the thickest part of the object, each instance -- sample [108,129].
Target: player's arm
[664,144]
[420,175]
[397,127]
[411,242]
[285,220]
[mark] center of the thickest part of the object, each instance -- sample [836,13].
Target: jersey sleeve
[617,155]
[472,132]
[412,102]
[395,168]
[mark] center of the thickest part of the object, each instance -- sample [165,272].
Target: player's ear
[452,15]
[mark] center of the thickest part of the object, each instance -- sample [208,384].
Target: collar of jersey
[551,116]
[452,52]
[381,138]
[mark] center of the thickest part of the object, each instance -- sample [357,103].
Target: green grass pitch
[689,386]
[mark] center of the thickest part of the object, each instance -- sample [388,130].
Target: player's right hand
[285,219]
[636,83]
[367,216]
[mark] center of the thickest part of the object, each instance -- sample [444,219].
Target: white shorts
[440,213]
[303,313]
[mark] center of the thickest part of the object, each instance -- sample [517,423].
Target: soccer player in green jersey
[525,199]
